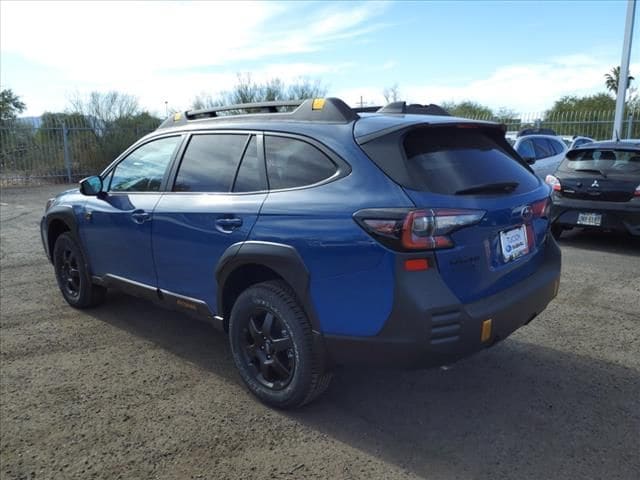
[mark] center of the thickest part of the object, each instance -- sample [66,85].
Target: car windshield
[609,160]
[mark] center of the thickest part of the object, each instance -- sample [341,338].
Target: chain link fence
[65,149]
[61,151]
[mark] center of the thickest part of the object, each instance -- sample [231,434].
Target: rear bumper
[424,332]
[620,216]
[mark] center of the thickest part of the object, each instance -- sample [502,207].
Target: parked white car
[543,152]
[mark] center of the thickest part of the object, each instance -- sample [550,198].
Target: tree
[612,80]
[10,106]
[469,109]
[106,108]
[391,94]
[246,90]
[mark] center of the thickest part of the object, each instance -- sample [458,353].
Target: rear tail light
[636,193]
[541,208]
[553,182]
[424,229]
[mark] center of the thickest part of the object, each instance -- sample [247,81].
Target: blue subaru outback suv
[316,235]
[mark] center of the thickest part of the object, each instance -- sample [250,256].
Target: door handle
[228,224]
[140,216]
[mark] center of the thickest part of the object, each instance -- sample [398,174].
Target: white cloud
[521,87]
[159,50]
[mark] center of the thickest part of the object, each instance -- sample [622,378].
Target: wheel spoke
[268,323]
[281,344]
[74,272]
[254,332]
[282,371]
[251,350]
[264,369]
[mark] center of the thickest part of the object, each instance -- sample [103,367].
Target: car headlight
[50,202]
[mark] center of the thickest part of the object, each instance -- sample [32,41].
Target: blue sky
[518,55]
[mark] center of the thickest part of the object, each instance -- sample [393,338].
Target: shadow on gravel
[517,407]
[610,242]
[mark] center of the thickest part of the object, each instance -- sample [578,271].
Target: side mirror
[91,186]
[530,160]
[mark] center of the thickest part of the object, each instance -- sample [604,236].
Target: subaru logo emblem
[526,213]
[595,184]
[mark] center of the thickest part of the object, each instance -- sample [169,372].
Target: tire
[73,276]
[556,231]
[272,346]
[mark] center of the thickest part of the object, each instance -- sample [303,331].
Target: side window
[542,147]
[556,146]
[143,169]
[209,163]
[525,149]
[294,163]
[251,175]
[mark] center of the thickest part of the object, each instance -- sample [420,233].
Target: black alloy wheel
[72,275]
[69,273]
[269,350]
[273,346]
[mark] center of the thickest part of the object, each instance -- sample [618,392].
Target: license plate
[514,243]
[593,219]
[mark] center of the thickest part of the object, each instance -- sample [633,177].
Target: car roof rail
[261,107]
[328,110]
[414,109]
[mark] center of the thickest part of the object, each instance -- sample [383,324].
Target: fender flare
[65,214]
[282,259]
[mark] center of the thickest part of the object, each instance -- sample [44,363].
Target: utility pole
[166,108]
[624,70]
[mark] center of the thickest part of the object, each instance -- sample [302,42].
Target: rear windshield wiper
[594,170]
[501,187]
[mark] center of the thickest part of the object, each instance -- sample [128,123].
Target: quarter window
[144,168]
[294,163]
[210,163]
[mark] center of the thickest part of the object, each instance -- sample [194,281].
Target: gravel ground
[128,390]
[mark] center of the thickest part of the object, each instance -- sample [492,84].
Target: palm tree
[612,79]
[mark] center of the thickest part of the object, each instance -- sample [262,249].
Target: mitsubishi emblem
[595,184]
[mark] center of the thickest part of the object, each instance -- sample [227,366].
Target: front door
[116,225]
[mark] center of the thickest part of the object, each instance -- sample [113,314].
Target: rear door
[600,174]
[218,191]
[450,171]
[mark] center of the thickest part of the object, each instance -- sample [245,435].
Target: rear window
[447,160]
[603,160]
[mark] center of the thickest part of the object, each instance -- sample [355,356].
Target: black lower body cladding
[435,329]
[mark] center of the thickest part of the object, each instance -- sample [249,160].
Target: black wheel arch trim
[65,214]
[284,260]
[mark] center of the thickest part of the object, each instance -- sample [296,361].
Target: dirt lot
[131,391]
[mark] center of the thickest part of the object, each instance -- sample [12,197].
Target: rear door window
[294,163]
[448,160]
[210,162]
[542,147]
[557,147]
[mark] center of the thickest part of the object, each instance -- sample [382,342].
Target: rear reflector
[416,265]
[485,335]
